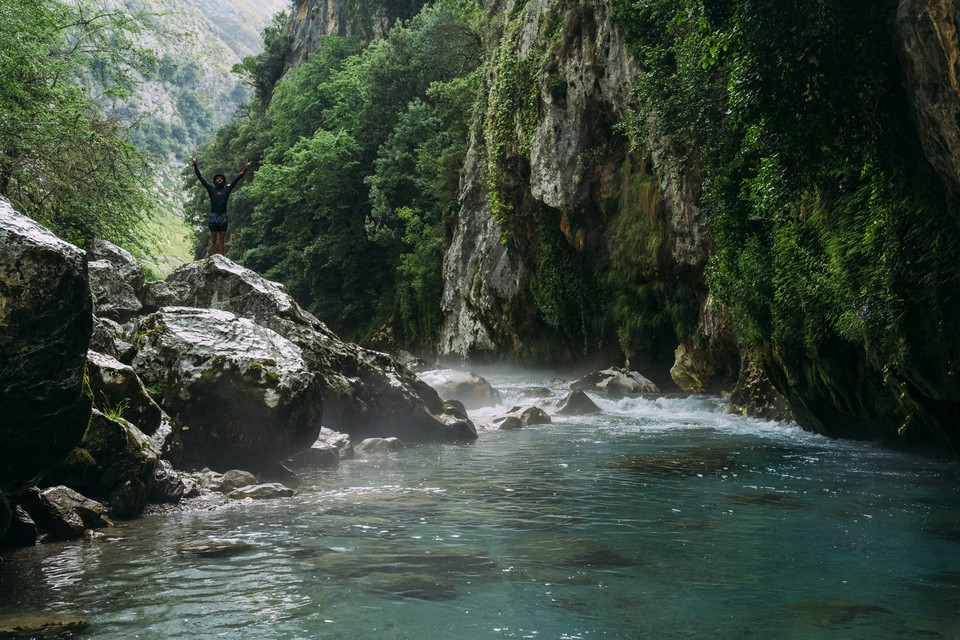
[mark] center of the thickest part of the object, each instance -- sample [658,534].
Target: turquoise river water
[660,518]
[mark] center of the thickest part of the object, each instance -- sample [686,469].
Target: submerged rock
[577,403]
[468,388]
[243,393]
[366,393]
[46,319]
[615,382]
[214,548]
[41,626]
[264,491]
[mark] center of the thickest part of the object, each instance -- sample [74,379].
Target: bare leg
[213,242]
[223,242]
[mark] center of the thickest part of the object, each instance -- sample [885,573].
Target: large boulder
[108,338]
[243,393]
[469,388]
[577,403]
[115,462]
[615,382]
[366,393]
[116,279]
[46,320]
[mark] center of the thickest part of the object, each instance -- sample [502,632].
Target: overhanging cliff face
[561,174]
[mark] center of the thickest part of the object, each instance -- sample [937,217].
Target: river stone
[577,403]
[47,320]
[115,280]
[754,395]
[64,512]
[379,445]
[117,388]
[340,442]
[214,548]
[264,491]
[534,415]
[366,393]
[615,382]
[235,479]
[243,393]
[469,388]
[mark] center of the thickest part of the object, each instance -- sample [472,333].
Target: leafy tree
[62,161]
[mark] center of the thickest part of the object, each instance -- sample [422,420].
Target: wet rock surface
[615,382]
[63,512]
[577,403]
[116,279]
[47,321]
[243,393]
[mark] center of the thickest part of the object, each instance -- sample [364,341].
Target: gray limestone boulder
[577,403]
[509,423]
[242,393]
[46,320]
[366,393]
[615,382]
[468,388]
[116,279]
[108,338]
[63,512]
[156,295]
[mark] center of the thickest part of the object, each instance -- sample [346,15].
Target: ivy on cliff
[828,221]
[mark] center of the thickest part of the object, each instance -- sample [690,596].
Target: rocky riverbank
[113,389]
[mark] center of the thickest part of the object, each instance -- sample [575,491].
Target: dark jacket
[218,195]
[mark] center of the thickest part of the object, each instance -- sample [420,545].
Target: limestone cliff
[563,177]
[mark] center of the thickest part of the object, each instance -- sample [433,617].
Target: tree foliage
[62,161]
[357,154]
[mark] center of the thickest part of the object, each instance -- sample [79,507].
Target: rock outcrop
[46,320]
[366,393]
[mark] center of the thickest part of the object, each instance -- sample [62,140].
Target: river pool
[658,518]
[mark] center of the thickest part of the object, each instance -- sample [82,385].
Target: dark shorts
[217,222]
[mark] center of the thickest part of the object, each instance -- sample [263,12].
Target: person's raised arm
[196,170]
[244,170]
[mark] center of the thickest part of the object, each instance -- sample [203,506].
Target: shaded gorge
[658,518]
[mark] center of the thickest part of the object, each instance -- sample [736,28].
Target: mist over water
[658,518]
